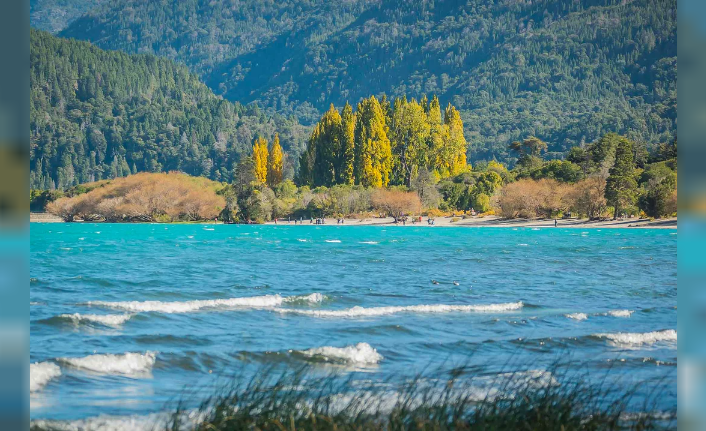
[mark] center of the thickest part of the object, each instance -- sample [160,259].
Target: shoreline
[489,221]
[495,221]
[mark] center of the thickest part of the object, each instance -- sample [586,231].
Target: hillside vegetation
[98,114]
[55,15]
[565,71]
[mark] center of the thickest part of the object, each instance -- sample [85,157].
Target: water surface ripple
[124,317]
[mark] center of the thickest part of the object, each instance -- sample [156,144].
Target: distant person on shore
[555,223]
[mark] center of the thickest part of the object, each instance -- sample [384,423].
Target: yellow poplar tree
[347,145]
[328,147]
[373,155]
[409,133]
[454,154]
[275,163]
[259,153]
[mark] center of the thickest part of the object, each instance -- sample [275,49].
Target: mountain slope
[98,114]
[55,15]
[563,70]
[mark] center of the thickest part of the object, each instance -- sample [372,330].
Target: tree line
[611,177]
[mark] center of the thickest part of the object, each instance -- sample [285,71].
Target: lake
[124,318]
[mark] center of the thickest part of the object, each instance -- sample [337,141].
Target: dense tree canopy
[565,71]
[96,114]
[384,143]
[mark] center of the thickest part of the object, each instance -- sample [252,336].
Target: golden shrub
[145,197]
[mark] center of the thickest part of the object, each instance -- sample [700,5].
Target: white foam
[639,339]
[381,311]
[115,423]
[333,240]
[128,363]
[106,319]
[577,316]
[302,240]
[40,373]
[369,242]
[361,353]
[313,298]
[264,301]
[621,313]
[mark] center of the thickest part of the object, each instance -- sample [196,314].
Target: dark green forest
[565,71]
[98,114]
[55,15]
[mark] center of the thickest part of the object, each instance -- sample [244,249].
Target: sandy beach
[495,221]
[489,221]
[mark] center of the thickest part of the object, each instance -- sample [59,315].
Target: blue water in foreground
[520,284]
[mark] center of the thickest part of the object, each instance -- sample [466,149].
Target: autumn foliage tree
[347,148]
[275,163]
[373,154]
[260,154]
[384,143]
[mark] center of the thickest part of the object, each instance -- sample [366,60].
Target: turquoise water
[496,299]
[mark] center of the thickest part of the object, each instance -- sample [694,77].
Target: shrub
[145,197]
[528,198]
[588,197]
[396,203]
[481,202]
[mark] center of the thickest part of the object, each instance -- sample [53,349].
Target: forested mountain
[98,114]
[565,71]
[55,15]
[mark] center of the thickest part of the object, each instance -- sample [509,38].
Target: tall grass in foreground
[293,401]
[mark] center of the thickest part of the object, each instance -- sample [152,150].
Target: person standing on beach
[555,223]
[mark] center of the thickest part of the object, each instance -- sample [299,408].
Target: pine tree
[347,145]
[621,186]
[259,151]
[373,155]
[275,163]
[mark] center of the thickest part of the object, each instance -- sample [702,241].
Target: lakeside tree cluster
[384,143]
[608,178]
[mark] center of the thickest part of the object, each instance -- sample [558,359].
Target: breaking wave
[361,353]
[40,373]
[620,313]
[107,319]
[638,339]
[382,311]
[577,316]
[195,305]
[127,363]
